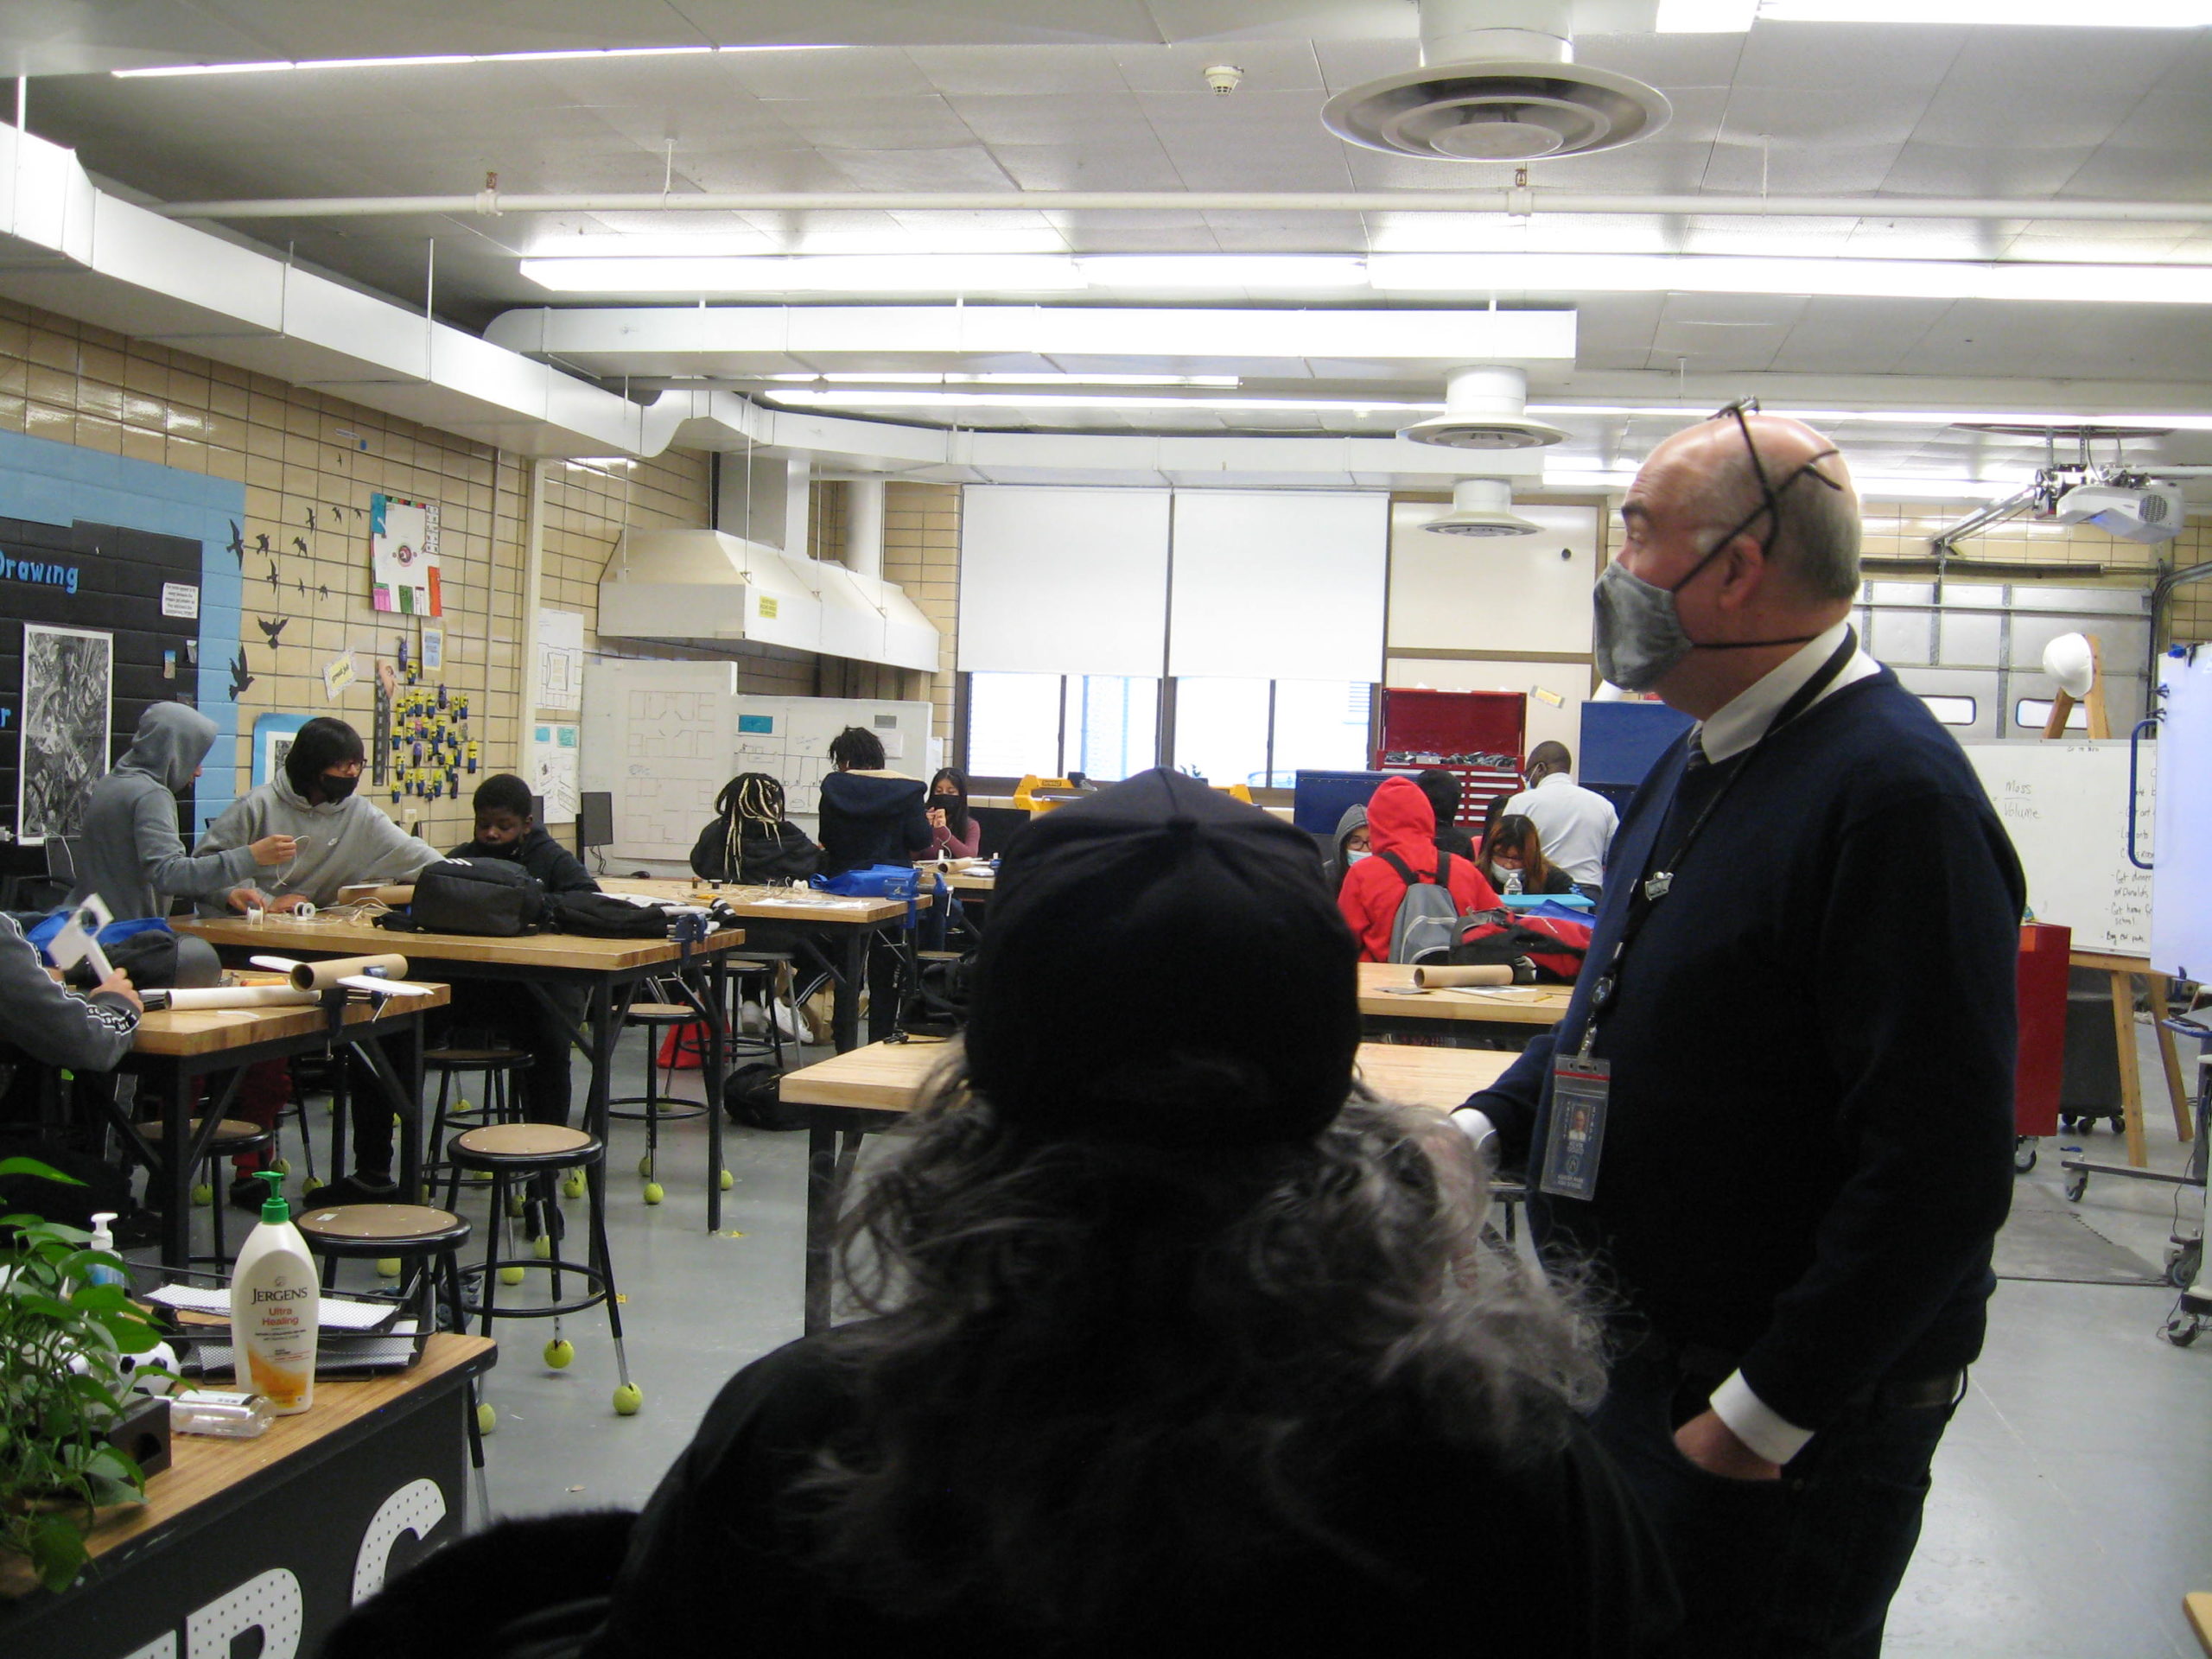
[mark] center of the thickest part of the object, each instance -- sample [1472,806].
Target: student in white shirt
[1576,824]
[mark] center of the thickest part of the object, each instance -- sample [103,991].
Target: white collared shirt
[1744,720]
[1574,824]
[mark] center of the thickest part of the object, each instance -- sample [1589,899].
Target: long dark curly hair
[1096,1361]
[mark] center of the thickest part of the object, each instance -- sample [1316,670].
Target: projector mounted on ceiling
[1483,409]
[2150,512]
[1497,83]
[1482,506]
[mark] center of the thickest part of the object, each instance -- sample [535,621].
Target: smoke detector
[1498,83]
[1482,506]
[1483,409]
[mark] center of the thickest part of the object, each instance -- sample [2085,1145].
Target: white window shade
[1280,585]
[1063,581]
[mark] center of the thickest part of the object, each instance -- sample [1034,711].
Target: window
[1221,730]
[1112,726]
[2032,714]
[1103,726]
[1014,725]
[1957,711]
[1320,726]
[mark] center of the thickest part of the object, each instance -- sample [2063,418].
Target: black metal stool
[426,1244]
[764,970]
[505,1071]
[232,1136]
[534,1153]
[656,1017]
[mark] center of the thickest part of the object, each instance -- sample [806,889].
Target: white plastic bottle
[103,1240]
[274,1302]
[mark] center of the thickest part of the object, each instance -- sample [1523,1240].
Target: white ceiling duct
[1485,409]
[1498,83]
[1482,506]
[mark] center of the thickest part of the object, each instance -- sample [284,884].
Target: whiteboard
[658,737]
[2065,805]
[789,737]
[663,739]
[2180,903]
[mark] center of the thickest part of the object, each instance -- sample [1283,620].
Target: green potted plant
[57,1469]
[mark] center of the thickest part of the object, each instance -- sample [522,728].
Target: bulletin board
[2066,807]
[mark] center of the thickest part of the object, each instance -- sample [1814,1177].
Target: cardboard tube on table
[1437,979]
[322,975]
[239,996]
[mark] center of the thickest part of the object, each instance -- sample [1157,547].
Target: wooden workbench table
[2124,970]
[853,1095]
[1386,992]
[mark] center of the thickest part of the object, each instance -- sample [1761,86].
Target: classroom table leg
[2131,1073]
[605,1030]
[718,1028]
[821,1221]
[176,1173]
[845,999]
[2176,1090]
[884,956]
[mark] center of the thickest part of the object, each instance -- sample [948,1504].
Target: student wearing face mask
[1352,842]
[953,830]
[342,837]
[1513,859]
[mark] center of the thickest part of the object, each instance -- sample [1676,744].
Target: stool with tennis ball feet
[534,1156]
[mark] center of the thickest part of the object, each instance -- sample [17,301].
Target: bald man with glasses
[1777,1115]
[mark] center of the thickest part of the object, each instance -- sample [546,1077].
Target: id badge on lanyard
[1580,1086]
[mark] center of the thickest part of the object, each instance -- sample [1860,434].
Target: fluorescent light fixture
[1229,270]
[810,273]
[1825,417]
[1695,273]
[1100,401]
[1044,381]
[2045,14]
[1705,16]
[430,61]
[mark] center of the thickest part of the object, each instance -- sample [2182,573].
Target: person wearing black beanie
[1177,1334]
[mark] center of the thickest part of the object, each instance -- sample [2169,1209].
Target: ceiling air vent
[1497,83]
[1483,409]
[1482,506]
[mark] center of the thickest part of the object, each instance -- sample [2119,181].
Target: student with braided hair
[750,840]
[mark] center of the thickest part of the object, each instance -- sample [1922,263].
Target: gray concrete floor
[2073,1496]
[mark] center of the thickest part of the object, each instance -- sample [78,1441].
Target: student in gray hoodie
[130,852]
[342,837]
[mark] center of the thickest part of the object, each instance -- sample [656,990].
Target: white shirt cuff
[1477,1127]
[1755,1423]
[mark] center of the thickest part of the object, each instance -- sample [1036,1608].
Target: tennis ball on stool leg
[627,1399]
[510,1276]
[655,1192]
[728,1181]
[542,1246]
[486,1419]
[573,1186]
[559,1353]
[202,1193]
[388,1267]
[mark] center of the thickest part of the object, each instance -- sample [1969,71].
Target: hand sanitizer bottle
[103,1240]
[275,1300]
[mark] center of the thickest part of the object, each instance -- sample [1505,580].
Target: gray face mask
[1639,635]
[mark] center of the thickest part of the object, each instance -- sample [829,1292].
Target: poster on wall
[68,696]
[404,555]
[553,770]
[560,659]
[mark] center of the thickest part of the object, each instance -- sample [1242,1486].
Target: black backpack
[753,1099]
[492,898]
[602,916]
[937,1003]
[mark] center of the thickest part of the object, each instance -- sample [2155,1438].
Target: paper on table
[332,1312]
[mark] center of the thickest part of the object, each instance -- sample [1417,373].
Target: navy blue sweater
[1808,1146]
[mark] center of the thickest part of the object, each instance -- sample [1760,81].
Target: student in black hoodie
[507,829]
[869,816]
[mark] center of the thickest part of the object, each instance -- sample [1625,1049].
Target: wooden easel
[2062,706]
[2123,970]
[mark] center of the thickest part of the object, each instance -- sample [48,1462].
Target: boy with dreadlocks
[750,839]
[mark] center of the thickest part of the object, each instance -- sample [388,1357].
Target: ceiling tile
[924,123]
[1829,169]
[847,75]
[2127,173]
[1269,66]
[1006,71]
[1930,169]
[1856,336]
[1141,166]
[1794,115]
[1667,62]
[965,168]
[1109,117]
[1346,64]
[1866,56]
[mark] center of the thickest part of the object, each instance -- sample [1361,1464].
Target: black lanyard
[1645,896]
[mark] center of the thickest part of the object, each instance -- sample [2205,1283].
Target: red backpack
[1540,950]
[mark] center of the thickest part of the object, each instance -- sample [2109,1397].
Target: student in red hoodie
[1400,820]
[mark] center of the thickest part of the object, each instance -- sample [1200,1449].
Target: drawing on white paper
[560,659]
[68,699]
[553,780]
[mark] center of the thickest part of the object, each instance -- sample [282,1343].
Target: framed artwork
[69,708]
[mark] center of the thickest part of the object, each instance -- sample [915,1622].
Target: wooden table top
[768,904]
[279,937]
[202,1467]
[175,1032]
[1383,987]
[2198,1605]
[888,1076]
